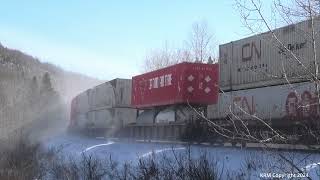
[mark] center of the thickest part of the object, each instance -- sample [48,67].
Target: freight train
[155,102]
[259,78]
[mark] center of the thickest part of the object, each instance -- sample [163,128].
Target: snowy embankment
[253,163]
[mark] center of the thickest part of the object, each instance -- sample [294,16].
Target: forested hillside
[35,94]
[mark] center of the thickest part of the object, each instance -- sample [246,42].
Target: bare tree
[159,58]
[257,22]
[200,42]
[199,47]
[288,11]
[297,10]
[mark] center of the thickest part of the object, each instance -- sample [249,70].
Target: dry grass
[25,161]
[22,161]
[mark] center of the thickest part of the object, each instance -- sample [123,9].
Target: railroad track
[269,146]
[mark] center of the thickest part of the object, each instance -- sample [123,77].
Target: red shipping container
[195,83]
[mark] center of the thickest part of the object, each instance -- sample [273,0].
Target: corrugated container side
[185,114]
[260,60]
[179,114]
[204,84]
[126,115]
[146,117]
[73,113]
[225,63]
[195,83]
[102,95]
[103,118]
[279,103]
[222,109]
[165,116]
[156,88]
[82,102]
[122,91]
[97,107]
[112,118]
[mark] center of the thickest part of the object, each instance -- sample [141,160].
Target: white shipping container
[102,95]
[225,62]
[175,114]
[185,114]
[146,117]
[82,120]
[103,118]
[82,102]
[105,106]
[178,114]
[165,116]
[122,91]
[260,60]
[222,109]
[296,101]
[112,118]
[115,93]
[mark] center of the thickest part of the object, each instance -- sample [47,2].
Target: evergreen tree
[46,83]
[34,84]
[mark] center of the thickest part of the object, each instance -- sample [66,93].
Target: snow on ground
[252,162]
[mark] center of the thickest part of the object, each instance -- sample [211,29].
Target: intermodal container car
[183,83]
[283,104]
[106,106]
[264,60]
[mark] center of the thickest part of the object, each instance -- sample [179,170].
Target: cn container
[282,104]
[262,60]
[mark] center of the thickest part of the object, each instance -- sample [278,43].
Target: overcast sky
[109,39]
